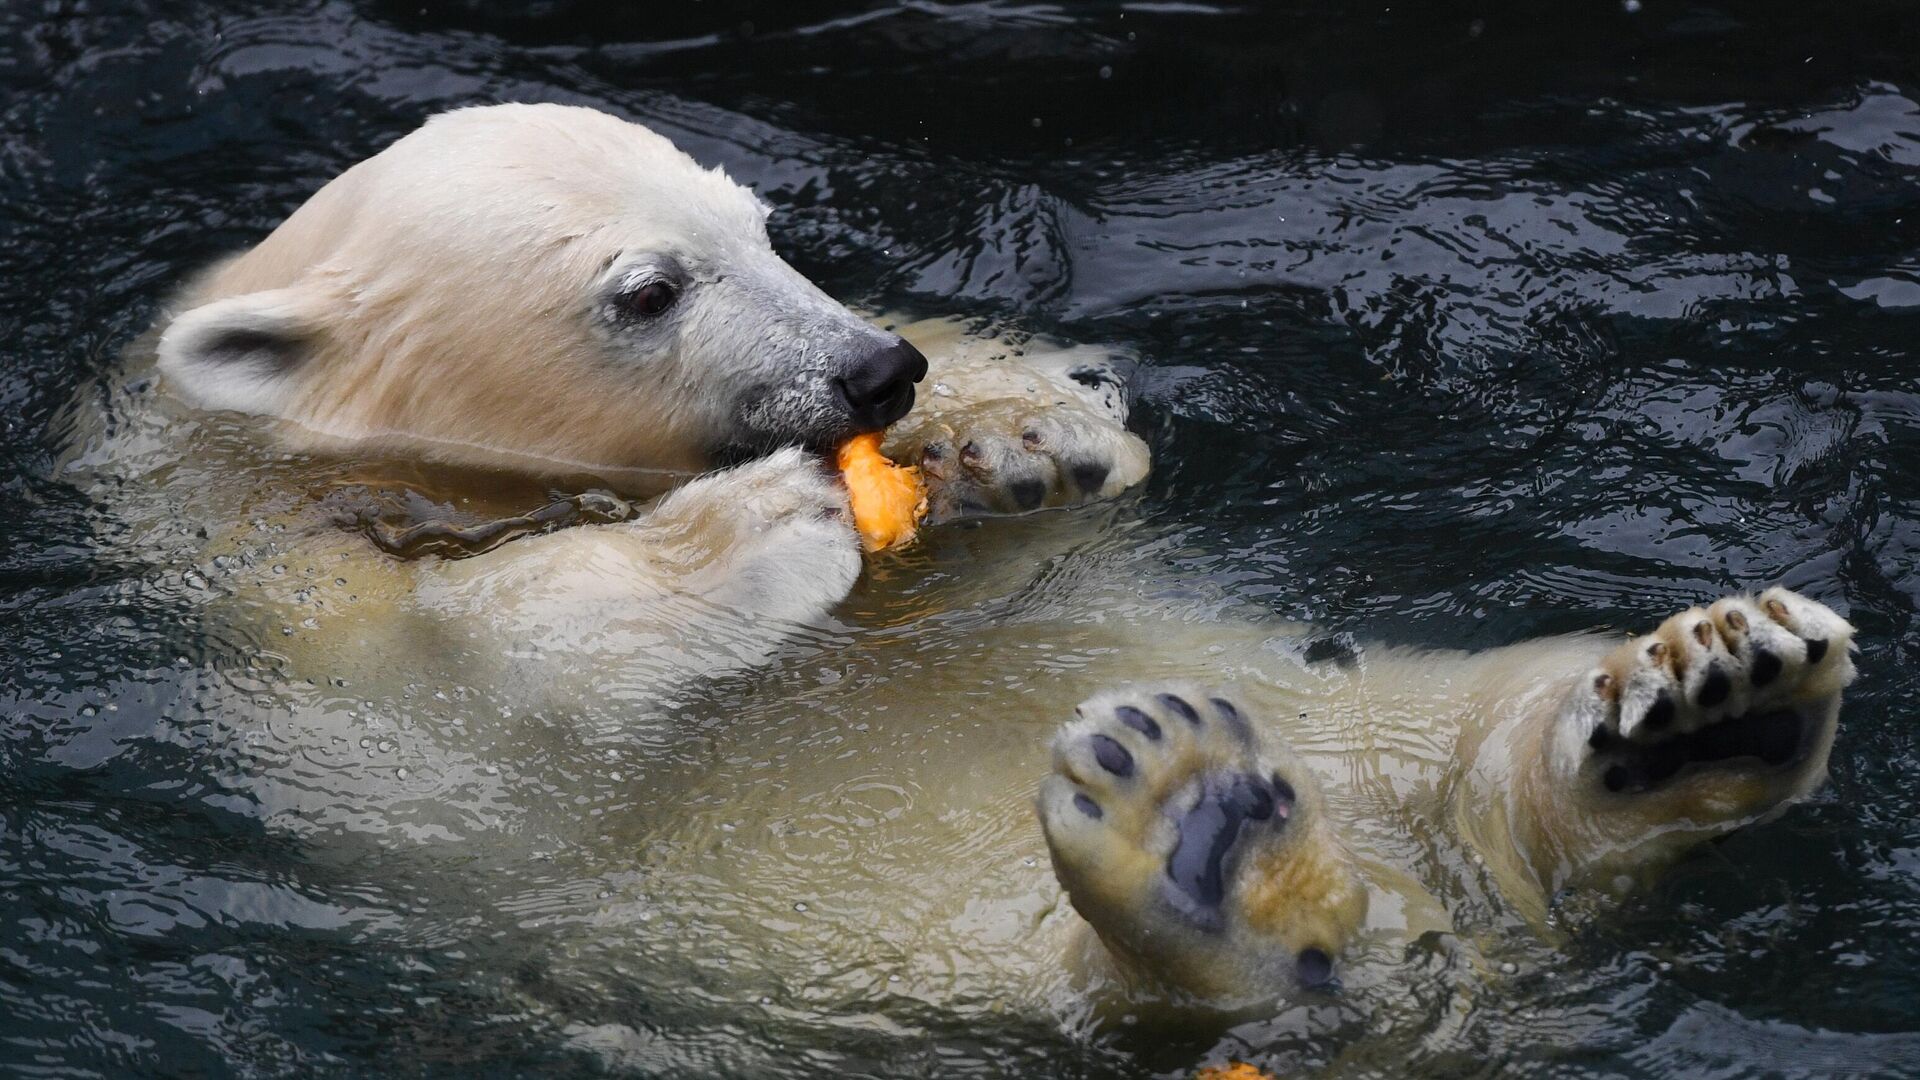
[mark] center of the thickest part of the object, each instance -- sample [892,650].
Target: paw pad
[1180,833]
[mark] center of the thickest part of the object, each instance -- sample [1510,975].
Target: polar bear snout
[878,386]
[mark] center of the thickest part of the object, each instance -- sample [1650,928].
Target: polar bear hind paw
[1197,845]
[1748,682]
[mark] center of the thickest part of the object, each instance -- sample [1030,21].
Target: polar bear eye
[650,299]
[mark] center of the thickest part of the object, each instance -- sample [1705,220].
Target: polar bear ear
[241,352]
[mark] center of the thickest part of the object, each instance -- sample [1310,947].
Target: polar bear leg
[1197,845]
[712,578]
[1719,718]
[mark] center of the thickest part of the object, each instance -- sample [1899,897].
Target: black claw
[1715,689]
[1027,494]
[1283,790]
[1816,649]
[1090,476]
[1233,718]
[1660,713]
[1087,806]
[1315,968]
[1111,755]
[1177,705]
[1766,667]
[1138,721]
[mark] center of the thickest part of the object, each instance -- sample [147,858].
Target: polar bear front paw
[1196,846]
[1007,457]
[1749,684]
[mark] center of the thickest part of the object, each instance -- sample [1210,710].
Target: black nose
[878,387]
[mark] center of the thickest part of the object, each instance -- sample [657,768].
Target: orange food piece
[888,500]
[1237,1070]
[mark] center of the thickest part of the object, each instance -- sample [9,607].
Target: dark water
[1465,324]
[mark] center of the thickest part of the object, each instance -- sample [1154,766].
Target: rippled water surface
[1462,324]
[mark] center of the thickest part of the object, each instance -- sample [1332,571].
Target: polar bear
[524,300]
[549,291]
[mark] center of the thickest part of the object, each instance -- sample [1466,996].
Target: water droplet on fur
[1509,968]
[800,905]
[401,772]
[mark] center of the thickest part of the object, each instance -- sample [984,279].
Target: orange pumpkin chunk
[888,500]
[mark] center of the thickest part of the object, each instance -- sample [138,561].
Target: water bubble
[1631,7]
[1509,967]
[401,772]
[1106,71]
[799,905]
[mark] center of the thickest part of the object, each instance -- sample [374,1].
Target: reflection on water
[1462,326]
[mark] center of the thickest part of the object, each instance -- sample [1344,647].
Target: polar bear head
[538,286]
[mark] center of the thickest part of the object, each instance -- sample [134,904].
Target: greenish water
[1463,324]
